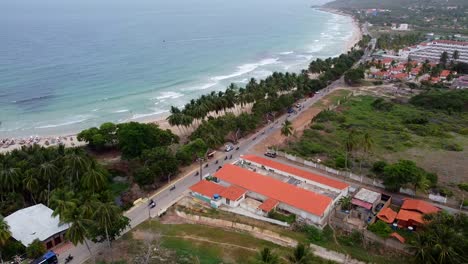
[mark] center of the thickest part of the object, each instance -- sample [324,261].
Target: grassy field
[401,132]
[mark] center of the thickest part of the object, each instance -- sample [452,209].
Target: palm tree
[31,184]
[62,201]
[95,178]
[267,256]
[105,215]
[48,170]
[456,55]
[287,128]
[9,178]
[5,235]
[78,232]
[350,145]
[300,255]
[345,202]
[75,166]
[367,146]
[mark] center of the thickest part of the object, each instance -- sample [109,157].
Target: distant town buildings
[401,27]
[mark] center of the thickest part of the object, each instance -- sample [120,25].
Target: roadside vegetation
[363,131]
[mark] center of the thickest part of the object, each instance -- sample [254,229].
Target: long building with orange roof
[299,174]
[307,205]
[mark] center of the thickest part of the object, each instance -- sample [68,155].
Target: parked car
[270,154]
[228,147]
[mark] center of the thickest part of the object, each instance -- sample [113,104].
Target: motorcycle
[225,158]
[152,204]
[69,258]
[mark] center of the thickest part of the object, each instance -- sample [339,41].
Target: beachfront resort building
[36,222]
[260,194]
[432,50]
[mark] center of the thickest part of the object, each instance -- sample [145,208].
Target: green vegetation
[70,182]
[364,128]
[463,186]
[35,249]
[443,240]
[354,76]
[380,228]
[406,173]
[397,42]
[450,101]
[290,218]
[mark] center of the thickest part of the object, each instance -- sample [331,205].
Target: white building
[36,222]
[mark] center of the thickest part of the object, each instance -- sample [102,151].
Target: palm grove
[76,186]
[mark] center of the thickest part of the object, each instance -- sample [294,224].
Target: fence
[355,177]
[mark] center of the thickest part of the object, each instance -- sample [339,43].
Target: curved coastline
[160,116]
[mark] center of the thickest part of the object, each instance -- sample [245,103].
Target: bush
[143,176]
[35,249]
[378,167]
[282,217]
[353,239]
[313,234]
[453,147]
[340,162]
[12,248]
[445,192]
[317,126]
[380,228]
[382,105]
[463,186]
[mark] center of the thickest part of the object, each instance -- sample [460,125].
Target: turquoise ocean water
[70,65]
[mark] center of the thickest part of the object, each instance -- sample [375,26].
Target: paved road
[165,197]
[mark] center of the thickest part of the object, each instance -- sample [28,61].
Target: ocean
[69,65]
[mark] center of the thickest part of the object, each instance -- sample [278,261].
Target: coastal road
[165,197]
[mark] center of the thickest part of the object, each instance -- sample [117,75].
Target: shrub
[445,192]
[317,126]
[313,234]
[35,249]
[12,248]
[282,217]
[382,105]
[340,162]
[380,228]
[463,186]
[463,131]
[453,147]
[378,167]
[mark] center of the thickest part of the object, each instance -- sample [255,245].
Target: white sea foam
[75,120]
[121,111]
[200,87]
[246,68]
[158,112]
[286,52]
[168,95]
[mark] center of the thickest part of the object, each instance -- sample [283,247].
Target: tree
[161,161]
[456,55]
[353,76]
[300,255]
[5,235]
[350,144]
[345,202]
[287,128]
[36,249]
[380,228]
[404,172]
[48,170]
[79,228]
[62,201]
[444,58]
[267,256]
[95,179]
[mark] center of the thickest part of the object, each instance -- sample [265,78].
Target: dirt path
[212,242]
[300,123]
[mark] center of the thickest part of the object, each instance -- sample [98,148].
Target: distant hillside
[391,4]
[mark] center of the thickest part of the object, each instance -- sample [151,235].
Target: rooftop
[207,188]
[297,172]
[406,215]
[420,206]
[268,205]
[387,215]
[291,195]
[367,196]
[233,192]
[34,222]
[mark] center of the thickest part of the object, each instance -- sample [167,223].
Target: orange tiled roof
[420,206]
[308,201]
[397,236]
[268,205]
[233,192]
[207,188]
[387,60]
[445,73]
[406,215]
[400,76]
[297,172]
[387,215]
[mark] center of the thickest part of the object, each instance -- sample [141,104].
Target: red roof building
[233,192]
[207,188]
[419,206]
[268,205]
[444,74]
[387,215]
[293,197]
[399,76]
[298,173]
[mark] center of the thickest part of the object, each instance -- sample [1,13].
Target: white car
[228,148]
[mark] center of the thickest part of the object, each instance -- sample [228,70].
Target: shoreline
[70,140]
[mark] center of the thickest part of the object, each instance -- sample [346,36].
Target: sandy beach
[6,144]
